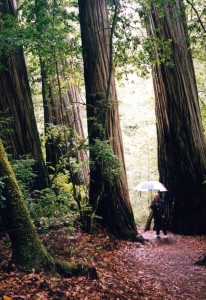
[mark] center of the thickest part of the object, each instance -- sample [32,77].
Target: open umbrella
[151,186]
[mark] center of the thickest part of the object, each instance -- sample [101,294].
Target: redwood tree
[181,141]
[16,104]
[110,199]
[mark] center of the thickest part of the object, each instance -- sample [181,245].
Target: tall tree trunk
[181,142]
[72,116]
[110,198]
[16,103]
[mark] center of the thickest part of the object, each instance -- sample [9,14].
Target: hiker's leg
[164,227]
[157,226]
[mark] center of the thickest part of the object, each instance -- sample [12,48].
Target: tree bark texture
[27,249]
[16,103]
[72,105]
[112,199]
[181,141]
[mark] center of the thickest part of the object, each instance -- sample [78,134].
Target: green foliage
[48,207]
[104,156]
[133,47]
[69,143]
[163,47]
[129,56]
[24,171]
[49,33]
[5,127]
[10,37]
[196,13]
[56,204]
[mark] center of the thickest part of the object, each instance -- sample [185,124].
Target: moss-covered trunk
[27,250]
[110,199]
[181,141]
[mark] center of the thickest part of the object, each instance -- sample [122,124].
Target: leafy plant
[24,171]
[104,155]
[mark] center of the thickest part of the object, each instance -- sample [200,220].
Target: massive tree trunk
[16,103]
[109,199]
[181,142]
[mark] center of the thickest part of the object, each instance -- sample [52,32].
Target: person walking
[157,206]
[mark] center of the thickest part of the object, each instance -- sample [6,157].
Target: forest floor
[159,269]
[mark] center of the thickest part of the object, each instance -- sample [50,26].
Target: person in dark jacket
[157,206]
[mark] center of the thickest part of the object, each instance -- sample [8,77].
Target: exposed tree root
[69,269]
[201,261]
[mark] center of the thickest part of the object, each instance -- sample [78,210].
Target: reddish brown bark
[16,104]
[112,199]
[181,142]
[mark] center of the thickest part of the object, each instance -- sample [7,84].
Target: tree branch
[198,16]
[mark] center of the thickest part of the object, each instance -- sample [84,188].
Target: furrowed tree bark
[72,116]
[181,141]
[16,103]
[110,199]
[27,250]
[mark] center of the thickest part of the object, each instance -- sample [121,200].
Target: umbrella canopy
[151,186]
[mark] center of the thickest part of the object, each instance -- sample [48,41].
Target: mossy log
[69,269]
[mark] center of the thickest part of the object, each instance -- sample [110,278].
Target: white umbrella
[151,186]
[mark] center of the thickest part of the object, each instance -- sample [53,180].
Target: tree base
[201,261]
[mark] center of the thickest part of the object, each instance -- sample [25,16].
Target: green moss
[69,269]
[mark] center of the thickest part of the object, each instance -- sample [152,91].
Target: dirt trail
[166,267]
[162,269]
